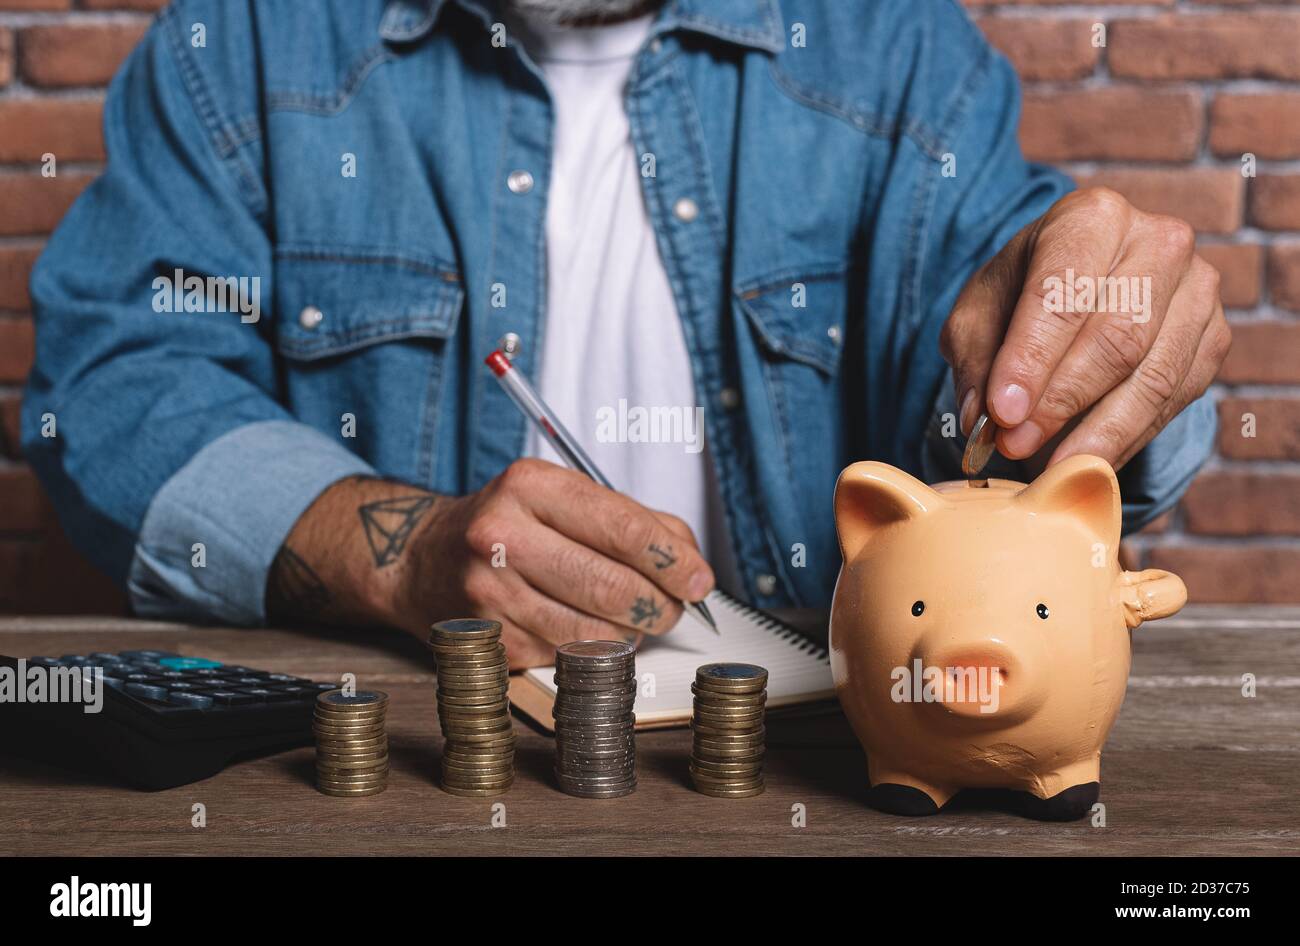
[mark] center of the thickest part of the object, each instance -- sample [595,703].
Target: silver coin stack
[595,743]
[478,757]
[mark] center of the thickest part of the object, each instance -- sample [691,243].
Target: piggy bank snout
[979,679]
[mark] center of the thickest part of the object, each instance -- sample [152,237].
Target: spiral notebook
[799,670]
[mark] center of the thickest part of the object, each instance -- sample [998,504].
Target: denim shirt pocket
[330,303]
[364,334]
[800,315]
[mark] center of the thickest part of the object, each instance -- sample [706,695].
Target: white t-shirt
[614,364]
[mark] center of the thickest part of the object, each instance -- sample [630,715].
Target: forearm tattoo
[389,524]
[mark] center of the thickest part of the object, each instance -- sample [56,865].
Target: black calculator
[164,720]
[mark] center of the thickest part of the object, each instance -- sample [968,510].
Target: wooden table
[1192,767]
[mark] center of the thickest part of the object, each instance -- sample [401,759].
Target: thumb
[978,322]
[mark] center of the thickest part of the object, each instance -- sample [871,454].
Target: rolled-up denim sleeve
[212,531]
[1149,484]
[153,429]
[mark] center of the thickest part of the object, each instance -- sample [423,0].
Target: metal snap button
[686,209]
[521,182]
[310,317]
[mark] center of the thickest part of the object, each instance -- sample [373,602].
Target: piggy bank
[980,635]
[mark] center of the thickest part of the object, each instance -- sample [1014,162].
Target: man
[767,215]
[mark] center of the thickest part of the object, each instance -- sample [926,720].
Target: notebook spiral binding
[779,628]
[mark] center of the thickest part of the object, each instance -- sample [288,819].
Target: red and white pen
[527,399]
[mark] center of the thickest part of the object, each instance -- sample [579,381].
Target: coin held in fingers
[979,449]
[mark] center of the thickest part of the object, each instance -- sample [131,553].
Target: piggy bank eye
[1042,611]
[918,608]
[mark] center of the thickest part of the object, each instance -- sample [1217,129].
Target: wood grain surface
[1192,767]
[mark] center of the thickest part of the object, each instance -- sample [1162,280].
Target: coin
[595,731]
[728,731]
[979,449]
[351,742]
[478,755]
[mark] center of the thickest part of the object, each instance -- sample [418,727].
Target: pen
[527,399]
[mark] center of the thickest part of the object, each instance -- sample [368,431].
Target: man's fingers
[1128,306]
[613,525]
[1174,372]
[557,623]
[974,329]
[594,584]
[1082,236]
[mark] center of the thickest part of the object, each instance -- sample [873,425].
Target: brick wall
[1163,112]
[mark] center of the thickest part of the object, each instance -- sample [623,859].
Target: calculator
[165,720]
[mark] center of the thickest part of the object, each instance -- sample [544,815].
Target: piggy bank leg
[897,793]
[1074,790]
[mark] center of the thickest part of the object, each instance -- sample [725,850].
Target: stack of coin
[595,748]
[478,757]
[727,752]
[351,744]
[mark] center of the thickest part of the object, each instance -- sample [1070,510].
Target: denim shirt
[825,178]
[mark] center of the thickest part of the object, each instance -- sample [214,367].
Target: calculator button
[179,685]
[75,659]
[204,672]
[146,654]
[187,663]
[323,687]
[299,693]
[146,692]
[115,683]
[196,700]
[107,658]
[230,698]
[250,681]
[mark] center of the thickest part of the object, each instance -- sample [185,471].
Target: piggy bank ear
[1150,594]
[870,496]
[1081,486]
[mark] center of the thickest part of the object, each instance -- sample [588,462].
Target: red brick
[124,4]
[1276,428]
[34,204]
[44,574]
[1210,199]
[1241,265]
[1158,525]
[1251,574]
[1120,123]
[16,349]
[10,435]
[15,269]
[1275,201]
[67,128]
[60,56]
[1044,49]
[1228,46]
[35,4]
[1266,125]
[1284,276]
[1263,352]
[6,57]
[23,506]
[1229,503]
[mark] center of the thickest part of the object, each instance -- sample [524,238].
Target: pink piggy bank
[980,636]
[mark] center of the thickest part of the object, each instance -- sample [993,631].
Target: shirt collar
[753,23]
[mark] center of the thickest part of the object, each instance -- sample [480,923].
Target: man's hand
[550,554]
[1057,369]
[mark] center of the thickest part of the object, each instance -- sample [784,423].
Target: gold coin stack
[728,747]
[478,757]
[351,744]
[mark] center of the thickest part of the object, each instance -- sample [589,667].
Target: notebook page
[798,669]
